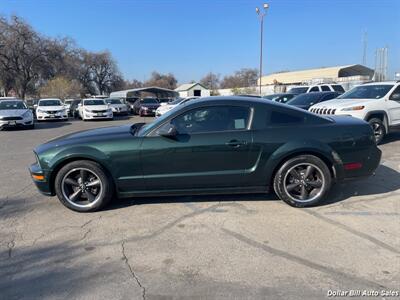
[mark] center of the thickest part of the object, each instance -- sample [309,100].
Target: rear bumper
[43,186]
[370,162]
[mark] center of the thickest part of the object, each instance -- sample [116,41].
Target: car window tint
[314,89]
[329,96]
[209,119]
[325,88]
[396,91]
[338,88]
[281,118]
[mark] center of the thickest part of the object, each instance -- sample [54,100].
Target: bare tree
[167,81]
[99,73]
[211,81]
[245,77]
[23,55]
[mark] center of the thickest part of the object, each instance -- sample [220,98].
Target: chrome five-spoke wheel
[82,187]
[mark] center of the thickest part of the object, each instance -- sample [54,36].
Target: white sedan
[117,107]
[92,109]
[51,109]
[170,105]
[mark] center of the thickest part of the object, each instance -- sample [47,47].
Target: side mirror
[168,130]
[395,97]
[35,106]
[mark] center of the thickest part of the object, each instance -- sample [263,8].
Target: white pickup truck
[377,103]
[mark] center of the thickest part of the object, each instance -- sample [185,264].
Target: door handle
[235,143]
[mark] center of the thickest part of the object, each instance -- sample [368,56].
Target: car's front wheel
[379,129]
[83,186]
[302,181]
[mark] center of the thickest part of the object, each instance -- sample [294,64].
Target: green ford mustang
[212,145]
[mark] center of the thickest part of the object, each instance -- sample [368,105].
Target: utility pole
[261,15]
[365,45]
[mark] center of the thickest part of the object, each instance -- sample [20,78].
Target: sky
[191,38]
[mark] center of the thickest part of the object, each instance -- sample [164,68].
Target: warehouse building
[348,76]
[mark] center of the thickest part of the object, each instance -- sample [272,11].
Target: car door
[394,106]
[211,150]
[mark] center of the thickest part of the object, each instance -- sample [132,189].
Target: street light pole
[261,15]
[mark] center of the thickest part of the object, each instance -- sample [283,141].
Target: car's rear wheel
[302,181]
[83,186]
[379,129]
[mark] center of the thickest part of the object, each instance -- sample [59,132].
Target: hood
[302,106]
[86,136]
[342,103]
[117,105]
[12,112]
[150,105]
[166,107]
[51,108]
[96,107]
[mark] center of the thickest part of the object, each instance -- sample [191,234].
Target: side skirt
[186,192]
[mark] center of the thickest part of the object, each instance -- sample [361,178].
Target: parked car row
[377,103]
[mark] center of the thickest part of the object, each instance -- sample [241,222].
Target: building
[348,76]
[192,89]
[133,94]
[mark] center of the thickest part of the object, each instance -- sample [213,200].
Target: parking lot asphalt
[202,247]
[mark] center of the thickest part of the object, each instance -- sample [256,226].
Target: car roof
[381,83]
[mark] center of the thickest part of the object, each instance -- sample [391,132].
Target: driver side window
[212,119]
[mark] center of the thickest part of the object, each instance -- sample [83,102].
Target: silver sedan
[15,113]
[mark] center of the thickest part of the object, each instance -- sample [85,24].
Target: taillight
[353,166]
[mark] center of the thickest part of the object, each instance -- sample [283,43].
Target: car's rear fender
[312,147]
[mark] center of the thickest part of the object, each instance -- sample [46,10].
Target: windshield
[49,103]
[149,101]
[176,102]
[304,99]
[298,90]
[367,92]
[94,102]
[12,105]
[113,101]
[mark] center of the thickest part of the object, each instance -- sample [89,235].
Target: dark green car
[215,145]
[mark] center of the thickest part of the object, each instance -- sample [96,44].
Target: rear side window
[314,89]
[282,118]
[325,88]
[338,88]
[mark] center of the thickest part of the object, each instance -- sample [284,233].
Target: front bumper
[16,123]
[56,116]
[147,112]
[43,185]
[95,116]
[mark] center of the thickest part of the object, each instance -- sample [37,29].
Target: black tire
[290,188]
[379,129]
[64,190]
[32,126]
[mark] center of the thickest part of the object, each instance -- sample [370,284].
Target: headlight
[40,111]
[109,110]
[353,108]
[27,114]
[88,110]
[145,108]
